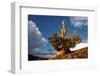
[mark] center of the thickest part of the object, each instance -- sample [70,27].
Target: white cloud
[79,46]
[35,38]
[79,21]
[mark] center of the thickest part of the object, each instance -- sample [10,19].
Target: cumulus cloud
[35,38]
[79,21]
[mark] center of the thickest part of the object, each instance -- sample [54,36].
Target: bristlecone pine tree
[61,43]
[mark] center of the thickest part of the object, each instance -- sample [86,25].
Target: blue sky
[40,28]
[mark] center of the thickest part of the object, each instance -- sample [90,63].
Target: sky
[41,27]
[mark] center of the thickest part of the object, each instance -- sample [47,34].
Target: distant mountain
[31,58]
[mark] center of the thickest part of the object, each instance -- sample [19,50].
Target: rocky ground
[76,54]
